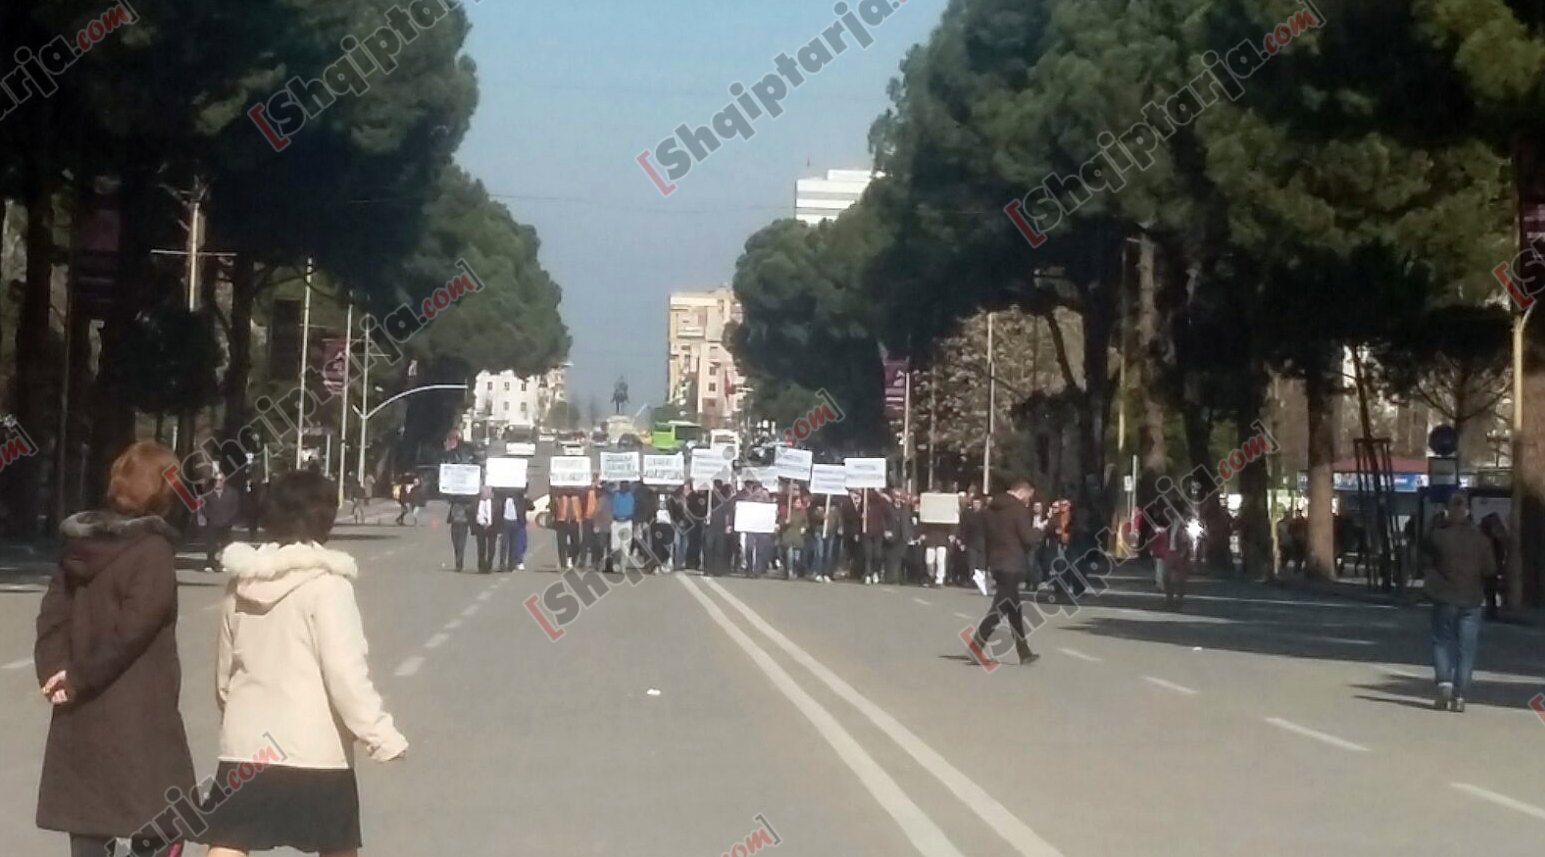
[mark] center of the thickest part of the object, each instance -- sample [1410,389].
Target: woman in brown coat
[106,658]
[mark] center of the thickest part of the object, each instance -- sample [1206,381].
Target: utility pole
[343,420]
[305,344]
[992,408]
[906,433]
[364,406]
[933,421]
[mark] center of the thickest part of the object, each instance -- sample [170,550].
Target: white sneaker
[520,566]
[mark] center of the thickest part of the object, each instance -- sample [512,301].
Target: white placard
[865,472]
[708,467]
[939,509]
[507,472]
[767,477]
[828,479]
[569,471]
[794,463]
[619,467]
[524,450]
[756,517]
[461,479]
[665,470]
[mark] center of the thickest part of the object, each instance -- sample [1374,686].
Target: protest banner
[794,464]
[665,470]
[461,480]
[507,472]
[569,471]
[828,479]
[939,509]
[756,517]
[865,472]
[619,467]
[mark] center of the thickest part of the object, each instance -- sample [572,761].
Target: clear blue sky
[572,91]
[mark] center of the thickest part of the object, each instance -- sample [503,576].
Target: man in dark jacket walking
[1458,559]
[1010,537]
[221,509]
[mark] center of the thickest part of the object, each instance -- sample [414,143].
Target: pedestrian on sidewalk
[299,695]
[218,515]
[106,658]
[487,530]
[1457,558]
[357,501]
[1010,538]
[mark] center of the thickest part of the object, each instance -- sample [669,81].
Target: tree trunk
[112,415]
[1319,393]
[34,410]
[1254,514]
[1527,561]
[239,367]
[1152,452]
[1099,317]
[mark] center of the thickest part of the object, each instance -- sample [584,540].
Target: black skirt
[308,809]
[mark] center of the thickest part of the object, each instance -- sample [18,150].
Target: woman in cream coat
[293,687]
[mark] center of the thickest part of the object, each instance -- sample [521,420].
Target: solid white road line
[1403,673]
[1169,685]
[1317,735]
[437,641]
[1074,653]
[925,835]
[471,610]
[16,665]
[409,667]
[997,816]
[1501,800]
[921,601]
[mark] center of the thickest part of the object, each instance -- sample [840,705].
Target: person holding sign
[1011,536]
[487,532]
[512,531]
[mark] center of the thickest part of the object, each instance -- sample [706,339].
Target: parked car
[629,442]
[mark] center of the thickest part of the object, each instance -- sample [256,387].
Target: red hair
[139,483]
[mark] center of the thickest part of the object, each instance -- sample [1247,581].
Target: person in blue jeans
[1457,558]
[512,525]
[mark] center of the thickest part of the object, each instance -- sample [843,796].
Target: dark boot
[1025,655]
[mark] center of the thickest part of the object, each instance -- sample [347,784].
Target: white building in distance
[700,371]
[503,400]
[818,200]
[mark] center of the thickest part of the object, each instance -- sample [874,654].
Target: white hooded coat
[291,670]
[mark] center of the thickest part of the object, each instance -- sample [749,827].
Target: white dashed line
[471,610]
[1317,735]
[921,601]
[437,641]
[964,616]
[1023,840]
[409,667]
[1169,685]
[1074,653]
[16,665]
[888,589]
[1401,672]
[484,596]
[453,624]
[1501,800]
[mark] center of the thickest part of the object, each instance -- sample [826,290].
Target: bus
[674,435]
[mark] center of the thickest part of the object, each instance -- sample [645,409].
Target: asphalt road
[669,714]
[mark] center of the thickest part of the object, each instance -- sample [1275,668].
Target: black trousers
[874,555]
[716,550]
[568,542]
[1006,605]
[216,539]
[459,543]
[487,540]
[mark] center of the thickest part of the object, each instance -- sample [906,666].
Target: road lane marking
[471,610]
[210,608]
[888,589]
[1080,655]
[921,601]
[926,836]
[1024,841]
[16,665]
[1501,800]
[484,596]
[437,641]
[1401,672]
[1169,685]
[453,624]
[964,616]
[1317,735]
[409,667]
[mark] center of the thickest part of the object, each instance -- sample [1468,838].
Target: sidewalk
[1356,589]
